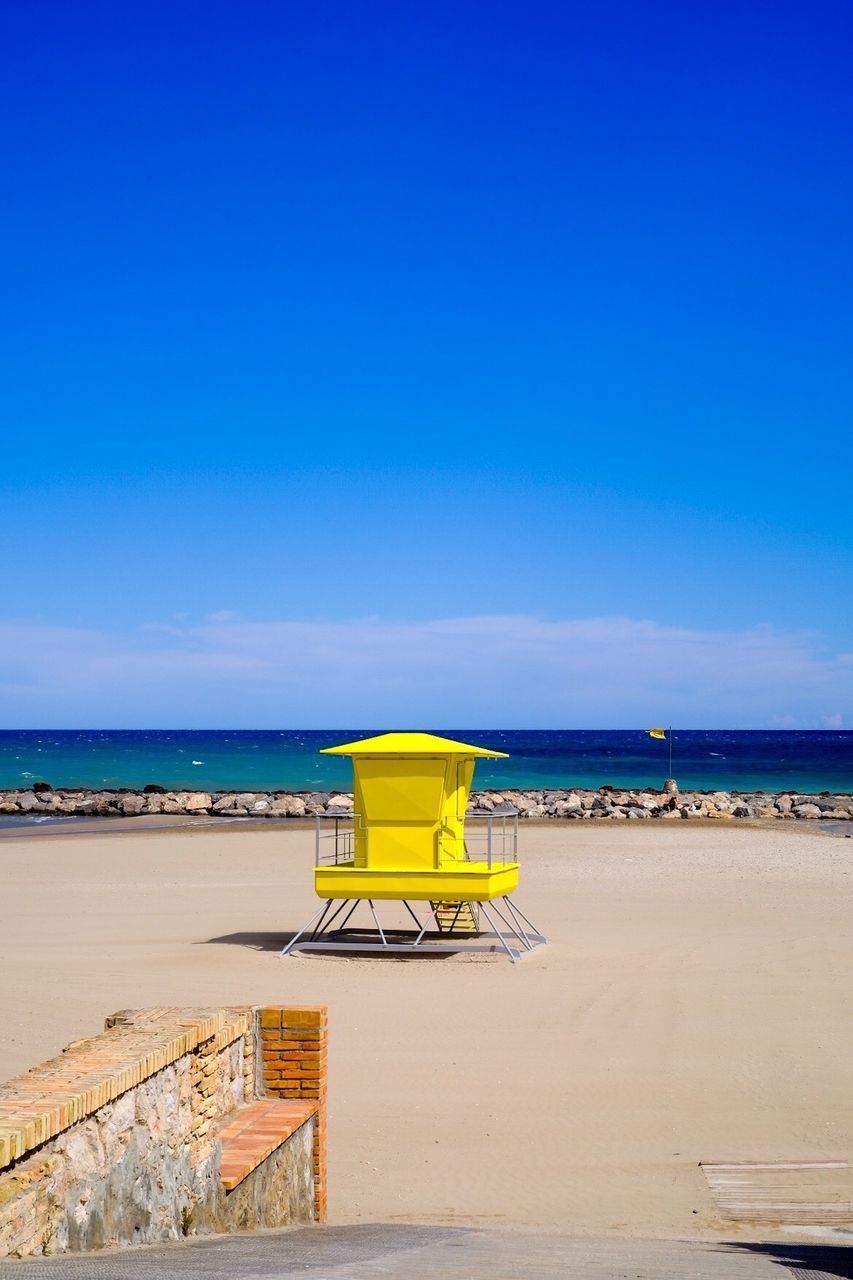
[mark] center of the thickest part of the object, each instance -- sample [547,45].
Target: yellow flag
[656,733]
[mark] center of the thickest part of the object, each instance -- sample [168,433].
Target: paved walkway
[380,1252]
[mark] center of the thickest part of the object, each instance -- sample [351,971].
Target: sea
[289,759]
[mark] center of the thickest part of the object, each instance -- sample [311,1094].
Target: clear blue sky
[321,313]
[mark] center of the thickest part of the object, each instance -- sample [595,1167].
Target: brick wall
[294,1056]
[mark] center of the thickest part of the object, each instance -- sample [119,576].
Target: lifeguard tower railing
[491,838]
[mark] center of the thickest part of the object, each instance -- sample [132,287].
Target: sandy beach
[694,1004]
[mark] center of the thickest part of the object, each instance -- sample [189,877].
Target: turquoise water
[288,759]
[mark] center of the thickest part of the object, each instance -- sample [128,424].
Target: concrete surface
[379,1251]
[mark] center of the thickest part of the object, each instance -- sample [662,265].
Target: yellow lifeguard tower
[410,839]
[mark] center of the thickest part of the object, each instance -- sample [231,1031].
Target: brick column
[294,1054]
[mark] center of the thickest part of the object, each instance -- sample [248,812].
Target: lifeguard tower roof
[412,744]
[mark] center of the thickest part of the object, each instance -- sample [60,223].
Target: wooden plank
[795,1191]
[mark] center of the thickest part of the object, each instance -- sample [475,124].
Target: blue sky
[426,364]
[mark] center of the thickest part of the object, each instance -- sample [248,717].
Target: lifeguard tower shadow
[277,941]
[411,841]
[267,941]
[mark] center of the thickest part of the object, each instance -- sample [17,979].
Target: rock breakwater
[572,804]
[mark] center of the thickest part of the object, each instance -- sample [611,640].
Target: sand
[694,1004]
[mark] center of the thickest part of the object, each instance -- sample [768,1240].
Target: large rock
[288,806]
[339,804]
[806,811]
[318,800]
[27,802]
[535,811]
[50,802]
[132,805]
[825,803]
[721,801]
[197,802]
[99,803]
[819,802]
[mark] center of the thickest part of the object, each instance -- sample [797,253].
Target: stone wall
[117,1140]
[615,803]
[611,802]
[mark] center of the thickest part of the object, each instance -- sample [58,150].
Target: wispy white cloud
[510,670]
[222,615]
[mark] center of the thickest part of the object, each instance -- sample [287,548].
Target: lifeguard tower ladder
[409,840]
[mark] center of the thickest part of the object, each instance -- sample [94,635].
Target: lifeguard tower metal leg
[410,840]
[514,938]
